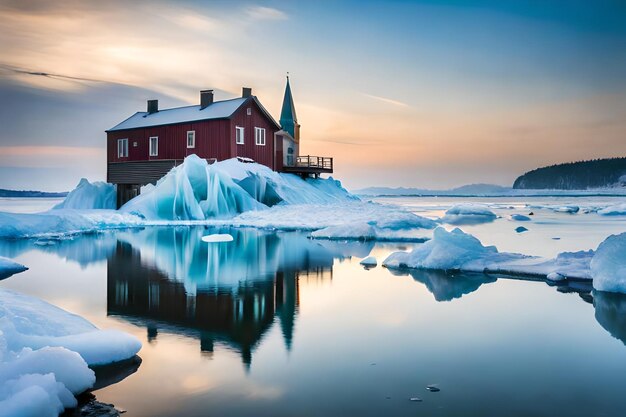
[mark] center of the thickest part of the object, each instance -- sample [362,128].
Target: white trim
[193,139]
[153,150]
[122,148]
[243,135]
[259,136]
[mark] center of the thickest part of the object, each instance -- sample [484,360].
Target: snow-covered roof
[217,110]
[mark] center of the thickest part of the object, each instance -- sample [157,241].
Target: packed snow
[608,266]
[9,267]
[217,237]
[45,352]
[86,196]
[468,214]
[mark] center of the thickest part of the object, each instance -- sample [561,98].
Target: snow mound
[468,214]
[215,238]
[454,250]
[457,250]
[86,195]
[520,218]
[356,231]
[45,353]
[614,210]
[9,267]
[29,322]
[608,266]
[63,222]
[196,190]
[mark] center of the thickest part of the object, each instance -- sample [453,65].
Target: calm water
[275,324]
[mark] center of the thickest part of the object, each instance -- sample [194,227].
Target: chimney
[246,92]
[153,106]
[206,98]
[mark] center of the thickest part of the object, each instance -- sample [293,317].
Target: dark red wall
[214,139]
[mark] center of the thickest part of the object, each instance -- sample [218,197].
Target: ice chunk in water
[608,266]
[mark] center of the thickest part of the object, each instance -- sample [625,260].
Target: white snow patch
[468,214]
[86,195]
[608,266]
[217,238]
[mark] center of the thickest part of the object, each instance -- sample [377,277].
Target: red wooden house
[144,147]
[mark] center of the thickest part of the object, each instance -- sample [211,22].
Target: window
[259,136]
[122,148]
[249,111]
[191,138]
[239,135]
[154,145]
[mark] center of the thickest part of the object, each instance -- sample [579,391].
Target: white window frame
[153,151]
[193,139]
[122,148]
[259,136]
[242,136]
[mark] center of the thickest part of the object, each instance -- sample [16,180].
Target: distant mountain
[583,175]
[27,193]
[465,190]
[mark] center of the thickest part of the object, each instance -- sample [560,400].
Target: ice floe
[9,267]
[86,195]
[370,261]
[468,214]
[520,218]
[614,210]
[456,250]
[217,237]
[45,352]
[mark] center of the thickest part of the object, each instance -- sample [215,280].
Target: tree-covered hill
[597,173]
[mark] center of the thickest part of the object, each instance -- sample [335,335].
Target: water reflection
[611,313]
[228,293]
[447,285]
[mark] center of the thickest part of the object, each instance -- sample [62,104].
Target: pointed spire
[288,119]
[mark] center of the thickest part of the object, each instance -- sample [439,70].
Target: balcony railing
[319,162]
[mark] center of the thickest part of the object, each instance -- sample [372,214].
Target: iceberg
[608,266]
[197,190]
[86,196]
[45,353]
[461,214]
[9,267]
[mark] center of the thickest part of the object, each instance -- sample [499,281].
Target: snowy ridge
[456,250]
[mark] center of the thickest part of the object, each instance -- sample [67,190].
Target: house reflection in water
[180,294]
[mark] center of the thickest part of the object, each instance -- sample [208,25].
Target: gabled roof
[288,113]
[217,110]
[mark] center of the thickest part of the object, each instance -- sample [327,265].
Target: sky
[428,94]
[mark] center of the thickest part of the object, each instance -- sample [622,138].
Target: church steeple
[288,119]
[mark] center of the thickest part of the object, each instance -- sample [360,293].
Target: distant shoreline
[31,194]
